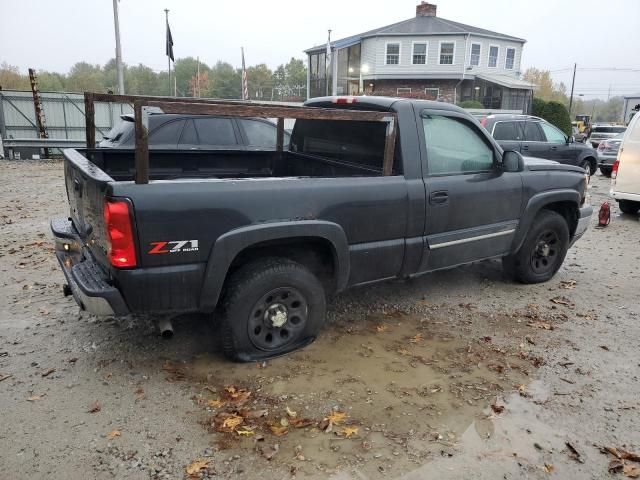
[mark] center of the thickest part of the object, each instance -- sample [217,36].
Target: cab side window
[454,146]
[553,134]
[214,131]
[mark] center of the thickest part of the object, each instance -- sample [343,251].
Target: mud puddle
[380,396]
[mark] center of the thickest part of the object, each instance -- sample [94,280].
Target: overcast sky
[54,34]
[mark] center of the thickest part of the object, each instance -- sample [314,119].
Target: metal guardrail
[43,143]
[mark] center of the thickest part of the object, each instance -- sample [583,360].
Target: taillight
[344,100]
[614,169]
[118,225]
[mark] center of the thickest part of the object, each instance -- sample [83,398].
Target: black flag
[169,45]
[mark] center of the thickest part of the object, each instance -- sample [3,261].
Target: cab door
[473,206]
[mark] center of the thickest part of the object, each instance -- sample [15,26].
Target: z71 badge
[175,246]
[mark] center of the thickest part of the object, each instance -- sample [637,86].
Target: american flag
[245,83]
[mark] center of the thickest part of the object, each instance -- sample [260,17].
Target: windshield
[117,133]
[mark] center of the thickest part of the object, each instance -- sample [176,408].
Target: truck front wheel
[542,251]
[271,307]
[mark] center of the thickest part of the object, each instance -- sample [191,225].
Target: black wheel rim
[545,252]
[587,166]
[278,319]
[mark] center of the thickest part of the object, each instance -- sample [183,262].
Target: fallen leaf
[278,430]
[561,301]
[487,339]
[34,398]
[348,432]
[48,372]
[568,284]
[237,396]
[261,412]
[139,393]
[176,372]
[4,376]
[268,451]
[232,421]
[245,431]
[417,338]
[604,347]
[574,453]
[616,465]
[291,413]
[382,328]
[301,422]
[216,403]
[113,434]
[634,457]
[548,468]
[196,467]
[336,417]
[541,325]
[404,351]
[95,407]
[497,408]
[631,471]
[522,390]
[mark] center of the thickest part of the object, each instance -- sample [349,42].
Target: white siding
[374,49]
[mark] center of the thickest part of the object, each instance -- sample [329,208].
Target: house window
[511,56]
[393,54]
[419,53]
[446,53]
[402,90]
[493,56]
[432,93]
[475,54]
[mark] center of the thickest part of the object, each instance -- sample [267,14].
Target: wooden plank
[280,135]
[142,147]
[271,111]
[89,120]
[389,148]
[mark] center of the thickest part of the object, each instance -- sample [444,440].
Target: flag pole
[166,13]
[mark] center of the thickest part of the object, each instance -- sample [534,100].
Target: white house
[424,57]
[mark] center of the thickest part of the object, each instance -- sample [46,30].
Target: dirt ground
[457,374]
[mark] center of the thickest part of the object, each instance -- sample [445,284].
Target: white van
[625,175]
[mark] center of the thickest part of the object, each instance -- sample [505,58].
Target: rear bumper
[606,160]
[584,220]
[88,282]
[634,197]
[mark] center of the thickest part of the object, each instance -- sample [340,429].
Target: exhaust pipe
[166,328]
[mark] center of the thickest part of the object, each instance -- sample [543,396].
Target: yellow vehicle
[582,122]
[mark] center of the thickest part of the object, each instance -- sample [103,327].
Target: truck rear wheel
[271,307]
[542,251]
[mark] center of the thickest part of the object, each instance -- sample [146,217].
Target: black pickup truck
[259,239]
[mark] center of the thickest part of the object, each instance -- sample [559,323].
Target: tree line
[222,80]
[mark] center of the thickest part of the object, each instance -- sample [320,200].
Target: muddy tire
[629,207]
[271,307]
[542,251]
[606,171]
[589,165]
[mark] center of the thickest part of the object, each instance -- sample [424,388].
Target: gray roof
[420,25]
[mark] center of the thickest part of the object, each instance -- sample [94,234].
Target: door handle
[554,148]
[525,147]
[441,196]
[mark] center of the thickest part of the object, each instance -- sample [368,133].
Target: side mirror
[512,161]
[571,139]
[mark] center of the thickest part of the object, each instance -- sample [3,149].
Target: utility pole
[119,67]
[609,93]
[166,14]
[573,82]
[198,79]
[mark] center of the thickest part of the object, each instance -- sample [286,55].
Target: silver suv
[603,132]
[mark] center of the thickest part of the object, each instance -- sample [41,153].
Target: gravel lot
[457,374]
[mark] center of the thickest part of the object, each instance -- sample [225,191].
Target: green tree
[470,104]
[557,114]
[12,79]
[84,77]
[142,80]
[538,106]
[546,89]
[260,80]
[51,81]
[225,81]
[184,70]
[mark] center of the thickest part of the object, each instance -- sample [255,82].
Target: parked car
[625,175]
[536,137]
[196,132]
[600,132]
[608,152]
[261,237]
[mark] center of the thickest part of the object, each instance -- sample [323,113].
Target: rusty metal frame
[230,108]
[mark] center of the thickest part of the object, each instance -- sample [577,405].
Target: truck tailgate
[86,190]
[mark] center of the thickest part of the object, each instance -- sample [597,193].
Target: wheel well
[316,254]
[569,211]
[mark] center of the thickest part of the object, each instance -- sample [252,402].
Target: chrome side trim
[471,239]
